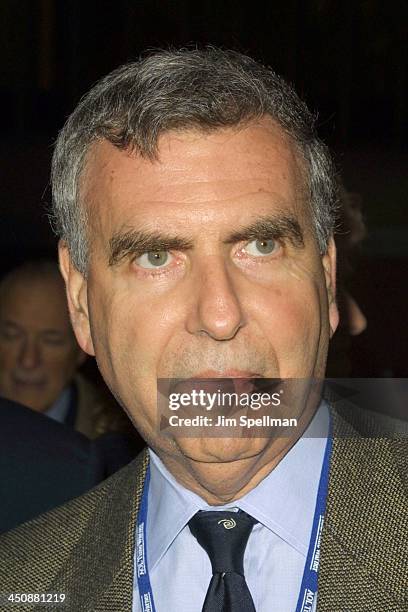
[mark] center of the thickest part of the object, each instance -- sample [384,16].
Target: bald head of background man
[38,351]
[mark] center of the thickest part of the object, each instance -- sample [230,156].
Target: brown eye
[9,333]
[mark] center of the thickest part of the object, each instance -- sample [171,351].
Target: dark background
[347,59]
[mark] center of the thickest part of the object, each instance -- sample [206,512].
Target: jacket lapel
[99,572]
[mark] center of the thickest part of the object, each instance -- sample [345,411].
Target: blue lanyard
[308,589]
[143,580]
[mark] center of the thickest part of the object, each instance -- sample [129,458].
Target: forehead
[196,177]
[35,303]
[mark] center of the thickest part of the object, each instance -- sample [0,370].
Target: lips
[24,382]
[242,381]
[212,381]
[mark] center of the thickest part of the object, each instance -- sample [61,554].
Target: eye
[9,333]
[261,247]
[154,259]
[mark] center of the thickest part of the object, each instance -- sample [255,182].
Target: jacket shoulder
[364,544]
[34,553]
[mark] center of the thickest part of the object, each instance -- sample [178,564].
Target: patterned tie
[224,536]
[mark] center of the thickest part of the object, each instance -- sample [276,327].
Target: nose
[29,354]
[216,309]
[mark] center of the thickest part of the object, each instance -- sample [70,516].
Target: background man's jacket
[42,464]
[85,549]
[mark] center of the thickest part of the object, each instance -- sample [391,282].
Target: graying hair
[205,89]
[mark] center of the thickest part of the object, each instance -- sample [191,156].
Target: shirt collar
[59,409]
[284,501]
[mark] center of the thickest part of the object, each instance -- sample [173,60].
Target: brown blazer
[85,548]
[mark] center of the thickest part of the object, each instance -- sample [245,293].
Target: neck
[219,483]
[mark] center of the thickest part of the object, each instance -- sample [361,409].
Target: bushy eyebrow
[135,242]
[282,227]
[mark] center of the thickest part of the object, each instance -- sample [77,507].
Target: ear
[329,266]
[76,289]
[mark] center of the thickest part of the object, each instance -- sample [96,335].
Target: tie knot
[224,536]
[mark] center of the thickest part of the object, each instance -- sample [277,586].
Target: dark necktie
[224,536]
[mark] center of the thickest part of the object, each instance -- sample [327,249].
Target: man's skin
[38,351]
[219,303]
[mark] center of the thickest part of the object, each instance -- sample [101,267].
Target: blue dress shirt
[283,504]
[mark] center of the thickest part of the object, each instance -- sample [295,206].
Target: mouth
[23,383]
[240,379]
[227,381]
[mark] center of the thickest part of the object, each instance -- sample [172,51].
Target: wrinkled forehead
[195,170]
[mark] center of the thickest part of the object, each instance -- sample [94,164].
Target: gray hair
[205,89]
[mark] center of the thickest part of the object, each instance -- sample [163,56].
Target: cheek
[6,366]
[7,358]
[138,327]
[126,338]
[59,365]
[290,319]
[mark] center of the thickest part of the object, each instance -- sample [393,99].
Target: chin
[32,404]
[221,450]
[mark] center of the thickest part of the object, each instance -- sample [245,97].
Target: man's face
[202,264]
[38,351]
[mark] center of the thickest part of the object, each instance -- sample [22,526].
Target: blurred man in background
[40,357]
[43,461]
